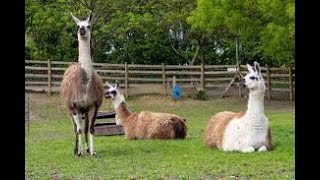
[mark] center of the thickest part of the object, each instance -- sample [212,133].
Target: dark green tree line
[163,31]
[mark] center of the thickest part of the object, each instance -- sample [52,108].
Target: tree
[256,27]
[163,31]
[278,35]
[48,31]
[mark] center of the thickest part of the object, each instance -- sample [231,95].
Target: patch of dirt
[43,98]
[189,91]
[32,116]
[32,100]
[153,100]
[29,114]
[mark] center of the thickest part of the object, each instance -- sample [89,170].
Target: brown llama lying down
[244,132]
[146,125]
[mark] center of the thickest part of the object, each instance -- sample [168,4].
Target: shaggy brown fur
[151,125]
[73,88]
[82,100]
[82,88]
[216,126]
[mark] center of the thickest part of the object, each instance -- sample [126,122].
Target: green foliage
[278,36]
[231,23]
[200,95]
[162,31]
[265,28]
[49,31]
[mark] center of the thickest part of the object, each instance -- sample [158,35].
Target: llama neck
[255,106]
[120,107]
[85,56]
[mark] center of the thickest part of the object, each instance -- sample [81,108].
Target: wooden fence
[46,76]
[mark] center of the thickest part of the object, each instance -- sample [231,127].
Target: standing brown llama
[82,89]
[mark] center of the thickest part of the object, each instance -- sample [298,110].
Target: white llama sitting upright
[245,132]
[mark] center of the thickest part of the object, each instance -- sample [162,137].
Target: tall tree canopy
[262,29]
[164,31]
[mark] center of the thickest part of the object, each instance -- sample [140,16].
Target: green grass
[49,145]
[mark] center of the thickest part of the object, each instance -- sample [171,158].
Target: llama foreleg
[92,118]
[262,149]
[247,149]
[86,130]
[76,118]
[75,151]
[91,143]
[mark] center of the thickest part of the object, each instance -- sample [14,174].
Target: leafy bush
[201,95]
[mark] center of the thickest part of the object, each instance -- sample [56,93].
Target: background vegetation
[165,31]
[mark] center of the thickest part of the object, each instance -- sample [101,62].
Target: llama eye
[89,27]
[252,77]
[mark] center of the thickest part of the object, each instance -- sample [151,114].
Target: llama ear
[108,84]
[117,84]
[89,18]
[76,20]
[250,68]
[257,66]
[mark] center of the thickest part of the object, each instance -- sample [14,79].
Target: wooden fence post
[28,115]
[27,110]
[49,77]
[202,82]
[126,78]
[239,75]
[269,82]
[164,84]
[290,83]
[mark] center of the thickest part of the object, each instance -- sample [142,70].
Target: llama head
[83,27]
[112,91]
[254,79]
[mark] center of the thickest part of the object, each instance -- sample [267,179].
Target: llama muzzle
[82,31]
[107,95]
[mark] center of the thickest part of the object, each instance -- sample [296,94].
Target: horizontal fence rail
[46,76]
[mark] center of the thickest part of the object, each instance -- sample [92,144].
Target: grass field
[50,142]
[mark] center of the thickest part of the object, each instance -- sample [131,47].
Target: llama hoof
[91,153]
[248,150]
[262,149]
[77,153]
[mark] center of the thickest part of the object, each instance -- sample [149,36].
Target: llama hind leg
[78,147]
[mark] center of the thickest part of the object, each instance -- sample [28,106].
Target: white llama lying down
[145,125]
[245,132]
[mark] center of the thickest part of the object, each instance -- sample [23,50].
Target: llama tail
[179,128]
